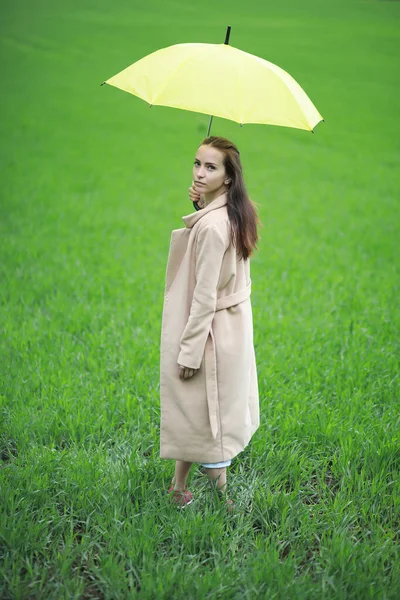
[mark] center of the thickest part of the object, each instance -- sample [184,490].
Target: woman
[208,377]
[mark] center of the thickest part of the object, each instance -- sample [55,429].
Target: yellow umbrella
[219,80]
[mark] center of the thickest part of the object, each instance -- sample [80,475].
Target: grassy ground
[92,183]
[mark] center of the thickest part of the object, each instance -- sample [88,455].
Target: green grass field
[92,183]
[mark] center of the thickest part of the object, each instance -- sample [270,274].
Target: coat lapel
[180,238]
[177,248]
[192,219]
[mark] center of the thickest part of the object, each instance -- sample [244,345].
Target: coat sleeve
[210,250]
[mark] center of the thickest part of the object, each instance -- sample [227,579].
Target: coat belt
[210,358]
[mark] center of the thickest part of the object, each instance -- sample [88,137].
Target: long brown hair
[241,210]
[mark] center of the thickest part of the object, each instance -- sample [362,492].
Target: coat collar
[191,219]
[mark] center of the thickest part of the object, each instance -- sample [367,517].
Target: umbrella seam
[174,73]
[275,70]
[292,93]
[241,95]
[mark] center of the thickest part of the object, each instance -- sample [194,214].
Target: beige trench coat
[207,324]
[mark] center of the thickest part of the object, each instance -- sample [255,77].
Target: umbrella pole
[209,126]
[227,36]
[228,33]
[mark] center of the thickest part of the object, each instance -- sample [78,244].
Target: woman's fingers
[193,193]
[186,372]
[194,196]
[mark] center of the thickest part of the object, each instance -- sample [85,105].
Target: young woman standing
[208,377]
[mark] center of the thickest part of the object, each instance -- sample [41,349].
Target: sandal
[181,498]
[230,505]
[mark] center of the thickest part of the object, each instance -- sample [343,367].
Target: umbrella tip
[102,83]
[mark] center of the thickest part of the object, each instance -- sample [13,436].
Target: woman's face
[208,170]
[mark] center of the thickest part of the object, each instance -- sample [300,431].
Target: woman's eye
[209,166]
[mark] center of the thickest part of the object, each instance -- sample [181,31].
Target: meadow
[92,183]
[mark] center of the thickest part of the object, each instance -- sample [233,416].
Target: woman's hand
[186,372]
[195,195]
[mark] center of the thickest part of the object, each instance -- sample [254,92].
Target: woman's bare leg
[182,469]
[217,478]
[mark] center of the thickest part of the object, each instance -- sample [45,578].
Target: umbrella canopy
[219,80]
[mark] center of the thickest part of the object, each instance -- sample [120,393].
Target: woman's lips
[199,183]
